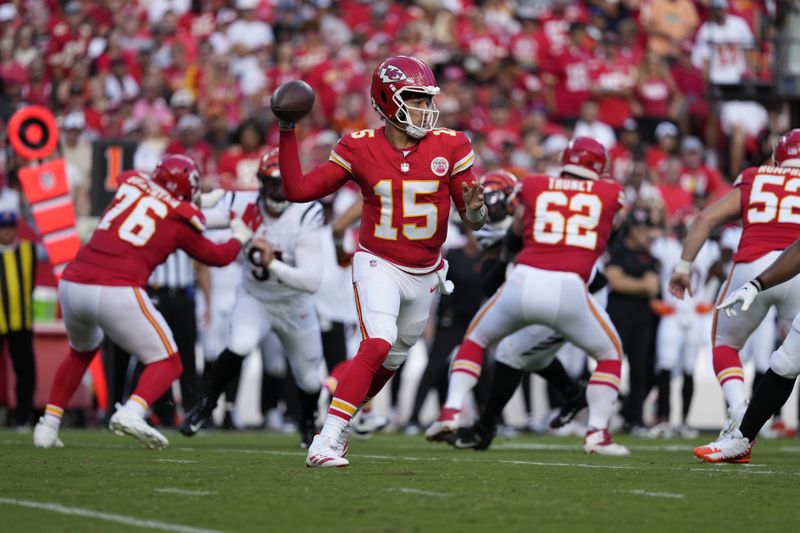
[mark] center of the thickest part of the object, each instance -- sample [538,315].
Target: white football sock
[136,405]
[601,399]
[334,426]
[733,389]
[52,421]
[458,388]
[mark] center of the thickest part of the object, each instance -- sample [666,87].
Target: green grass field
[258,482]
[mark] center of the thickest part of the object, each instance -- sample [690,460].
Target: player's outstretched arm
[298,187]
[784,268]
[207,252]
[723,210]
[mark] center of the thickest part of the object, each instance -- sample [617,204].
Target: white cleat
[599,441]
[733,448]
[124,422]
[734,419]
[324,453]
[45,436]
[365,424]
[342,445]
[445,425]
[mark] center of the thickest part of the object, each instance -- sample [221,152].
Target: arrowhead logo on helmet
[391,74]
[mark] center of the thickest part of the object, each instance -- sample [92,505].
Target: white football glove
[746,294]
[241,231]
[211,198]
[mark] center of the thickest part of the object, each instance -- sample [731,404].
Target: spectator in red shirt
[666,143]
[656,96]
[613,80]
[238,164]
[676,197]
[696,177]
[621,156]
[69,40]
[568,77]
[190,143]
[690,82]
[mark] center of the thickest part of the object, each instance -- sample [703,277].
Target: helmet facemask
[271,192]
[429,116]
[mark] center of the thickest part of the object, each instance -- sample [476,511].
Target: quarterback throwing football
[408,172]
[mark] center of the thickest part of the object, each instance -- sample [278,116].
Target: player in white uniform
[282,271]
[683,328]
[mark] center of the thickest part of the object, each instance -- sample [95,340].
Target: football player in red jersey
[565,224]
[766,199]
[102,290]
[408,172]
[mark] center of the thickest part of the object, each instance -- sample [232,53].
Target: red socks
[68,376]
[469,359]
[608,372]
[364,376]
[157,377]
[727,364]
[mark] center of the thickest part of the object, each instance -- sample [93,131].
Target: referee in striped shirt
[17,278]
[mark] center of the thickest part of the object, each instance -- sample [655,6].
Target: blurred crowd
[519,77]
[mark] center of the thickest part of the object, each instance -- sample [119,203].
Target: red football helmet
[499,194]
[396,76]
[270,184]
[787,151]
[584,157]
[179,175]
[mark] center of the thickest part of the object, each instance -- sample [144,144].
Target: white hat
[246,4]
[666,129]
[74,121]
[189,121]
[182,98]
[8,12]
[554,144]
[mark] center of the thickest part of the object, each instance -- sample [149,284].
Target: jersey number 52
[786,209]
[551,226]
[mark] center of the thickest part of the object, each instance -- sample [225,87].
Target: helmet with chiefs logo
[399,78]
[584,157]
[787,151]
[499,194]
[179,175]
[270,184]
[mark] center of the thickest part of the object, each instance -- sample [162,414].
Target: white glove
[211,198]
[241,231]
[445,285]
[745,294]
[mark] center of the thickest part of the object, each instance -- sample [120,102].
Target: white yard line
[577,465]
[572,447]
[108,517]
[182,461]
[418,492]
[185,492]
[640,492]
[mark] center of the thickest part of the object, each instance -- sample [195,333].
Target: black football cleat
[568,411]
[198,417]
[477,437]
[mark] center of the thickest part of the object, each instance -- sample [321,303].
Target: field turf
[258,482]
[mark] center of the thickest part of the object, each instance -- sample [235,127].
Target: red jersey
[139,229]
[770,210]
[567,222]
[406,192]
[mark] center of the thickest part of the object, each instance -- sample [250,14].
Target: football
[292,101]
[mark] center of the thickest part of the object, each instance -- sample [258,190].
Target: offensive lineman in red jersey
[102,290]
[767,200]
[408,172]
[565,224]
